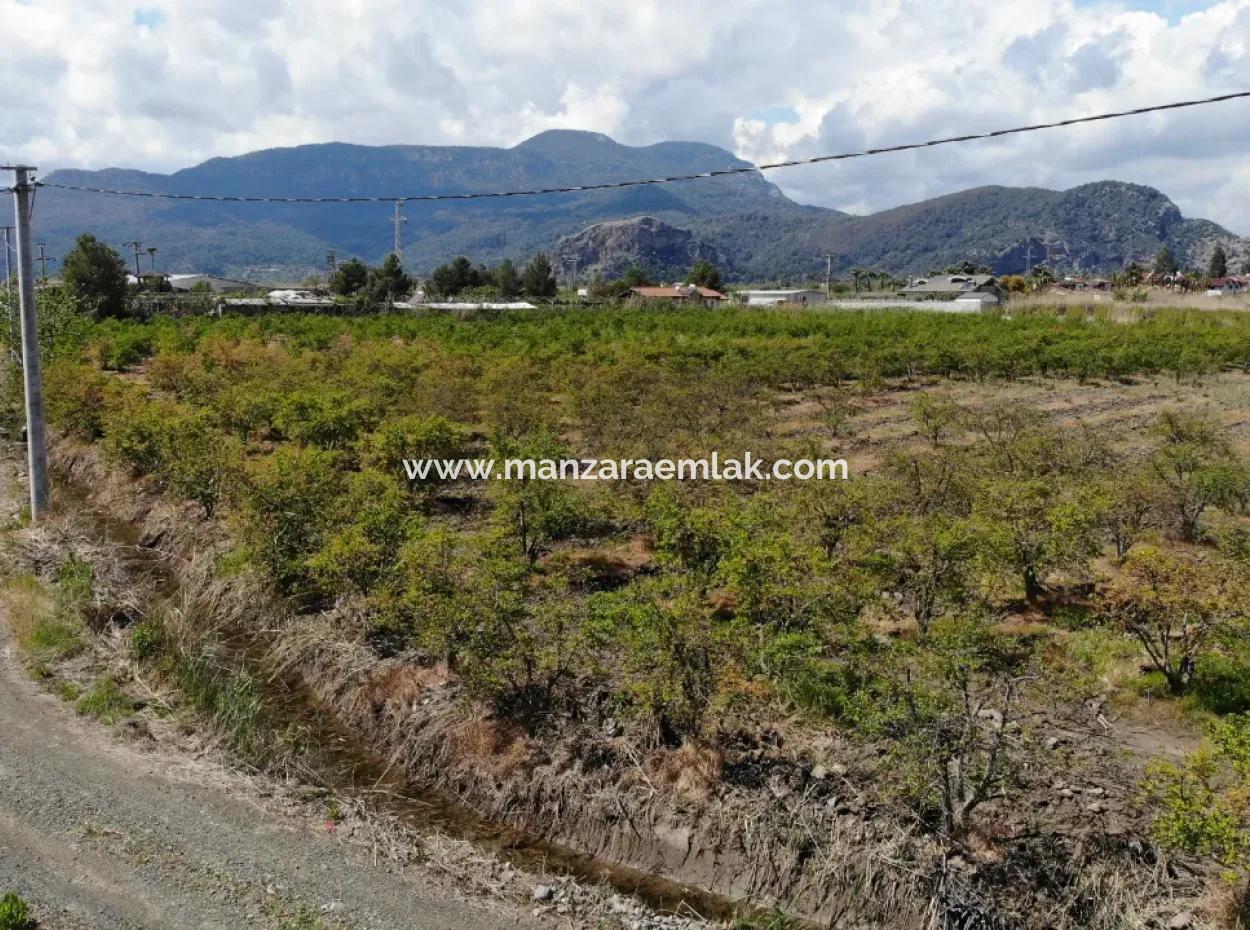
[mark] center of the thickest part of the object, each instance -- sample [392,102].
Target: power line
[640,182]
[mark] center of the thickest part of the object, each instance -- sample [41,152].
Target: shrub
[123,347]
[78,397]
[198,462]
[371,521]
[670,658]
[1175,605]
[692,537]
[411,437]
[1202,800]
[137,430]
[287,502]
[322,418]
[537,511]
[1221,685]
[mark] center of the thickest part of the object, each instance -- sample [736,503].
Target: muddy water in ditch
[340,763]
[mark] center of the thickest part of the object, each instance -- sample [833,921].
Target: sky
[168,83]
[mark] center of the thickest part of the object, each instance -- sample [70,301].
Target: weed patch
[44,631]
[105,701]
[15,914]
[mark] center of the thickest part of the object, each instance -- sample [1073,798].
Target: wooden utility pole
[36,449]
[136,245]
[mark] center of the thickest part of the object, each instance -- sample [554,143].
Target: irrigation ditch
[392,733]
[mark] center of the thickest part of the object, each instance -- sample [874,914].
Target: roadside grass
[44,630]
[227,695]
[15,913]
[105,701]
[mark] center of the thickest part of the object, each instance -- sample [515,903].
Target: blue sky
[148,17]
[1171,10]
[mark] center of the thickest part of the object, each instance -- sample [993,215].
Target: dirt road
[95,833]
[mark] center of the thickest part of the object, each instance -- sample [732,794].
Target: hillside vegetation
[759,233]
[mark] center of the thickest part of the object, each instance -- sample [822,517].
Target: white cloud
[167,83]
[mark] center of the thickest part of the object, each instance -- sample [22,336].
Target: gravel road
[96,833]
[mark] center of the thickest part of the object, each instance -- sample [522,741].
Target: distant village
[942,292]
[461,286]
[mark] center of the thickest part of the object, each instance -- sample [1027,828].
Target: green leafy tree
[536,510]
[507,279]
[389,283]
[1165,261]
[1032,528]
[704,274]
[450,279]
[1219,263]
[539,279]
[635,276]
[670,657]
[1175,605]
[1196,469]
[411,437]
[287,502]
[927,561]
[349,278]
[96,276]
[371,521]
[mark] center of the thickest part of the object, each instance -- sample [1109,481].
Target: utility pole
[36,451]
[332,261]
[136,245]
[398,219]
[43,263]
[828,277]
[1028,261]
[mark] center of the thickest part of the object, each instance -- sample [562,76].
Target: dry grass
[693,770]
[41,630]
[498,746]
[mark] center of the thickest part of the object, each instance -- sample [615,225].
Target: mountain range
[743,222]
